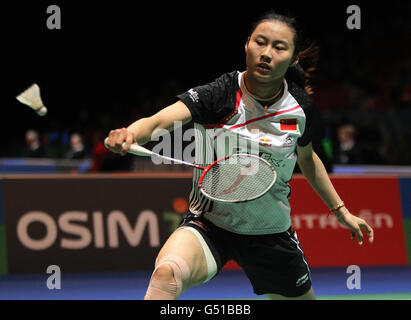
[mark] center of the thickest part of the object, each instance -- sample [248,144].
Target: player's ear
[246,44]
[295,61]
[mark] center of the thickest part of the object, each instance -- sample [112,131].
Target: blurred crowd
[84,138]
[365,122]
[363,95]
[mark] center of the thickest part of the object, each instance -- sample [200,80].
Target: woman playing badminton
[268,104]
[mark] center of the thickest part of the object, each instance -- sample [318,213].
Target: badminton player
[272,95]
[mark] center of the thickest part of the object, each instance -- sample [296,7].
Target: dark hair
[308,54]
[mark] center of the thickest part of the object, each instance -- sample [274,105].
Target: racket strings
[238,178]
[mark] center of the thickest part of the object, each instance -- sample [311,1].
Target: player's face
[270,51]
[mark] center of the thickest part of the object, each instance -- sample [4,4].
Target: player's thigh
[184,243]
[310,295]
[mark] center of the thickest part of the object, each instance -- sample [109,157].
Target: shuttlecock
[31,97]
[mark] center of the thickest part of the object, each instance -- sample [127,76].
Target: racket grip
[139,151]
[134,149]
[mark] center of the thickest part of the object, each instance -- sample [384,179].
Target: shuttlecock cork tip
[31,97]
[42,111]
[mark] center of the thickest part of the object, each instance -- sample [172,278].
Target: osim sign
[73,223]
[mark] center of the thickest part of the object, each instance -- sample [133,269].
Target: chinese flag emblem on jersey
[288,124]
[265,142]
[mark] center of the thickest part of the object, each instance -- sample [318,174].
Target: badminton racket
[238,177]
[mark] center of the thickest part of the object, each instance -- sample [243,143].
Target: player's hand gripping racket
[234,178]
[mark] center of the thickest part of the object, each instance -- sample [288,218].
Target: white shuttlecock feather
[31,97]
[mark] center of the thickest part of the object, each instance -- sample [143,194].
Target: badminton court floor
[392,283]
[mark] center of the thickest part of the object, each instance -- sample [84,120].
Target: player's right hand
[119,141]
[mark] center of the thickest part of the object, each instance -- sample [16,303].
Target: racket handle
[139,151]
[135,149]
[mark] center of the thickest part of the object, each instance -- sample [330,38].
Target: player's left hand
[355,225]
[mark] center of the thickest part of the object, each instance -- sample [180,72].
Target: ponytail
[302,72]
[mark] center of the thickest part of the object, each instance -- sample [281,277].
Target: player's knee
[170,277]
[164,272]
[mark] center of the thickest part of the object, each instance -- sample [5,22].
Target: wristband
[338,207]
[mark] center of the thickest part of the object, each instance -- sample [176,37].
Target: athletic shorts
[274,263]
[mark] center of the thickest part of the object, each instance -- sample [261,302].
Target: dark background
[113,62]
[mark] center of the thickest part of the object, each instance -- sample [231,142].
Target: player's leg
[184,261]
[310,295]
[296,269]
[275,265]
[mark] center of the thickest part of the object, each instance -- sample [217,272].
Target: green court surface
[392,296]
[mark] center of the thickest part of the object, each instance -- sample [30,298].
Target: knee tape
[166,290]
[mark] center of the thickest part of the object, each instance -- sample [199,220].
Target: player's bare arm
[316,174]
[144,129]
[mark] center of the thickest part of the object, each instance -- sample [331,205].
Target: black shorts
[274,263]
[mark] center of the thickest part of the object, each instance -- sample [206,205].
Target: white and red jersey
[228,120]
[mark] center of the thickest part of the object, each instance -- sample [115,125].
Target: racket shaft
[141,151]
[175,160]
[138,150]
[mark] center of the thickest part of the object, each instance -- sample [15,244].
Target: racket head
[237,178]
